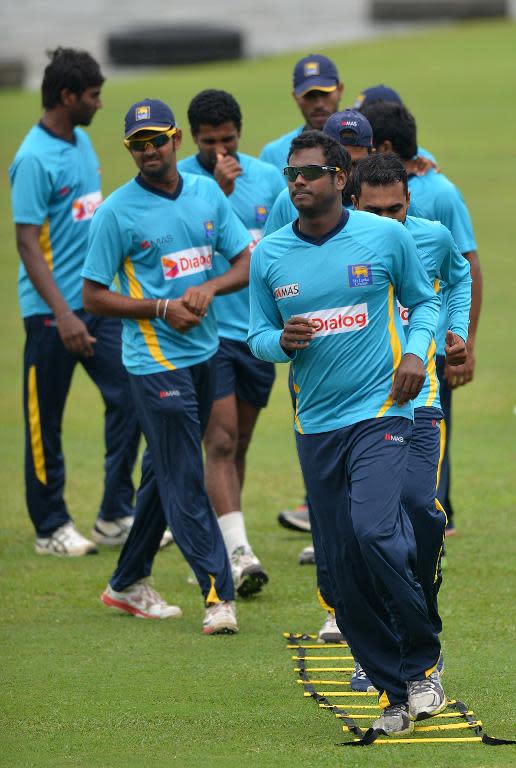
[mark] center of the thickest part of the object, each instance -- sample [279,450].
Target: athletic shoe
[112,533]
[141,600]
[307,556]
[167,539]
[360,681]
[426,697]
[394,720]
[220,619]
[295,519]
[248,574]
[66,541]
[329,632]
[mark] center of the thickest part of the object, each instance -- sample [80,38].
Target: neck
[167,184]
[58,121]
[323,222]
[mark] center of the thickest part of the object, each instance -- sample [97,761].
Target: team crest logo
[261,213]
[311,68]
[142,113]
[360,275]
[209,228]
[170,268]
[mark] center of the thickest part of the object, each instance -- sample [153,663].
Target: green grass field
[84,687]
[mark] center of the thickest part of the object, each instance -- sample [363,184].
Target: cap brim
[162,127]
[312,85]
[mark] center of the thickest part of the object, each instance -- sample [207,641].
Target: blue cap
[376,93]
[315,73]
[350,120]
[148,115]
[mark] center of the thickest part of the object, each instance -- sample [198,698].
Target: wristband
[158,302]
[164,315]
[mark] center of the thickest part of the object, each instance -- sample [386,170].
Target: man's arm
[463,374]
[197,298]
[72,330]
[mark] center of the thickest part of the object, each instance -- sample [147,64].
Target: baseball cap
[376,93]
[315,73]
[350,120]
[148,115]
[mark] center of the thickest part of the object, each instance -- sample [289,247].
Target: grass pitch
[83,687]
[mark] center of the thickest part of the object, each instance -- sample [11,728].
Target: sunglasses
[309,172]
[140,145]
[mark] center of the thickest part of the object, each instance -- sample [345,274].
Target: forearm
[42,279]
[235,278]
[99,300]
[476,295]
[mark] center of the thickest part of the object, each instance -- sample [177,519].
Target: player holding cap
[317,92]
[323,297]
[158,233]
[243,382]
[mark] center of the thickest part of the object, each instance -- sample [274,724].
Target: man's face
[216,140]
[314,197]
[390,201]
[82,107]
[317,106]
[156,163]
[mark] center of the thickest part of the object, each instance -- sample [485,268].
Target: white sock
[233,531]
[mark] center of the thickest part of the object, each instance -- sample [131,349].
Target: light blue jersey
[444,263]
[55,185]
[435,197]
[276,152]
[255,191]
[159,245]
[347,282]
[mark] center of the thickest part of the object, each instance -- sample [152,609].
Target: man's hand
[460,374]
[227,169]
[297,334]
[408,380]
[179,317]
[455,349]
[197,298]
[75,335]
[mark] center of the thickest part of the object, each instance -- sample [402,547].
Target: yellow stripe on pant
[36,439]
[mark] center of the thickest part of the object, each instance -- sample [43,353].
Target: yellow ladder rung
[448,727]
[297,635]
[324,669]
[323,658]
[323,682]
[320,646]
[341,693]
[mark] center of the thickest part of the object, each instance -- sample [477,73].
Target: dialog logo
[360,275]
[85,206]
[187,262]
[339,319]
[403,313]
[285,291]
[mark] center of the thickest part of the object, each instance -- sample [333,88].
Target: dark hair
[71,69]
[334,153]
[393,122]
[378,170]
[211,107]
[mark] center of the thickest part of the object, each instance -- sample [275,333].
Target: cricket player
[159,233]
[317,91]
[55,182]
[243,383]
[434,197]
[323,293]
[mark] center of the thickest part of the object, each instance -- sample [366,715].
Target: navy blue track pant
[445,395]
[48,372]
[173,408]
[354,479]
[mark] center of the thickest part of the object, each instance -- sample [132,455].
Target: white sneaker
[307,556]
[248,573]
[426,697]
[141,600]
[394,721]
[112,533]
[167,539]
[66,541]
[220,619]
[329,632]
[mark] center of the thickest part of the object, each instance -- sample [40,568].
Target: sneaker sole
[108,541]
[306,559]
[330,638]
[404,732]
[426,715]
[293,525]
[130,609]
[251,581]
[228,629]
[44,551]
[363,688]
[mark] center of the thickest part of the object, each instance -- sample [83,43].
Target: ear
[67,97]
[385,146]
[340,180]
[340,90]
[177,139]
[354,200]
[408,198]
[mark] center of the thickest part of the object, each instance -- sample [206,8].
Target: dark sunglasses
[140,145]
[309,172]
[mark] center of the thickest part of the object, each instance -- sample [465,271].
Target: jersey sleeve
[415,291]
[31,191]
[265,321]
[107,248]
[232,237]
[282,213]
[453,212]
[456,274]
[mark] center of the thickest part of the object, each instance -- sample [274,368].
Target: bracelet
[164,315]
[158,302]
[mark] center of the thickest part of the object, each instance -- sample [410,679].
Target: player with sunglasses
[323,297]
[159,233]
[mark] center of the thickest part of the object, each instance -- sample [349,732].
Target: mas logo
[311,68]
[209,228]
[360,275]
[187,262]
[338,319]
[261,213]
[142,113]
[85,206]
[285,291]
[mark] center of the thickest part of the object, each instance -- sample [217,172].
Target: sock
[233,531]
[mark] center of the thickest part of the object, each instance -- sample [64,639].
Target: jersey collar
[321,240]
[160,192]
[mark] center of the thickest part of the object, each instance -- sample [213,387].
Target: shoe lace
[151,594]
[360,673]
[422,686]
